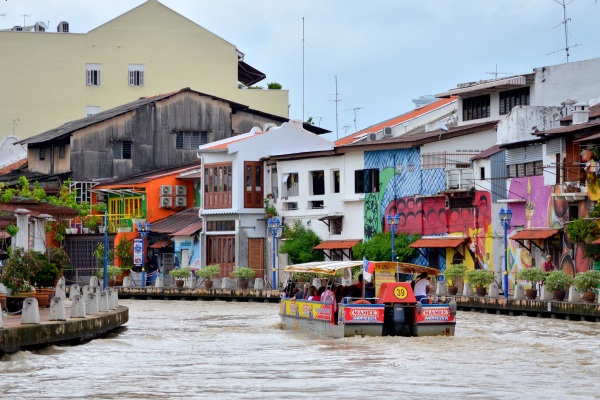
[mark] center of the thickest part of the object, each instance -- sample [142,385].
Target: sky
[350,64]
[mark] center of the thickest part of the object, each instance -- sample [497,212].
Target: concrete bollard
[57,309]
[574,295]
[60,291]
[77,307]
[519,293]
[31,311]
[441,289]
[467,289]
[103,301]
[190,283]
[228,283]
[113,298]
[94,281]
[545,294]
[493,290]
[128,281]
[75,290]
[259,283]
[91,304]
[159,282]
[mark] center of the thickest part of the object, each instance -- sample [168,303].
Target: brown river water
[222,350]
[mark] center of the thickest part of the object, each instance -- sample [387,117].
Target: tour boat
[394,311]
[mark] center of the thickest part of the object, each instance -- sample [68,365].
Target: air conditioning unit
[166,190]
[387,131]
[166,201]
[180,201]
[180,190]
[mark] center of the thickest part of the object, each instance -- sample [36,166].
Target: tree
[299,244]
[379,248]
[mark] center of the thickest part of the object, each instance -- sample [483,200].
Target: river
[224,350]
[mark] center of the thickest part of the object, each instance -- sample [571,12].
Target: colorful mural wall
[404,188]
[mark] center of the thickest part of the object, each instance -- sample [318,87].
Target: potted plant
[242,274]
[587,282]
[451,273]
[481,279]
[532,275]
[112,271]
[180,274]
[207,273]
[270,209]
[558,282]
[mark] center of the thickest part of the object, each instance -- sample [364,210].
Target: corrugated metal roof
[534,234]
[337,244]
[442,242]
[176,222]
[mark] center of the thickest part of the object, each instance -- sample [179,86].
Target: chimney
[581,113]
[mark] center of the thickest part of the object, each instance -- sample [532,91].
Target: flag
[368,269]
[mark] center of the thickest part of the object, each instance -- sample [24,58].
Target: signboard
[361,314]
[434,314]
[138,251]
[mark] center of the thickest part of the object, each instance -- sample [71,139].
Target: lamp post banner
[138,245]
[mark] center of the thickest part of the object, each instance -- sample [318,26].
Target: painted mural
[404,190]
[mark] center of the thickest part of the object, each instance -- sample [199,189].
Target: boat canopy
[332,267]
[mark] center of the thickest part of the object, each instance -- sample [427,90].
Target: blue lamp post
[505,217]
[392,222]
[275,228]
[143,230]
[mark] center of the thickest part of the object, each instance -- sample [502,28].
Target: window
[220,226]
[136,74]
[42,154]
[366,181]
[317,182]
[512,98]
[61,150]
[190,140]
[92,74]
[253,188]
[335,181]
[122,150]
[217,186]
[476,107]
[290,184]
[91,110]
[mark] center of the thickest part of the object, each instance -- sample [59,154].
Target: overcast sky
[384,52]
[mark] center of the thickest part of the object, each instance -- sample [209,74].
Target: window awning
[337,244]
[442,242]
[161,244]
[535,234]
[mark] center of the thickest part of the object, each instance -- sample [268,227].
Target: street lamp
[392,222]
[143,230]
[505,217]
[275,228]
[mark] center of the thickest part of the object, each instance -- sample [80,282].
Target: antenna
[355,110]
[25,15]
[302,68]
[337,100]
[496,73]
[564,22]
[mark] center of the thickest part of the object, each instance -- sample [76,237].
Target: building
[148,50]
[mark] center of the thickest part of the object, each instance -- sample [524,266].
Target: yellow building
[48,78]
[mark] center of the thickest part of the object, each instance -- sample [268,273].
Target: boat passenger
[301,295]
[312,294]
[422,287]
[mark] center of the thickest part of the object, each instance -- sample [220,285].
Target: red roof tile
[337,244]
[442,242]
[397,120]
[534,234]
